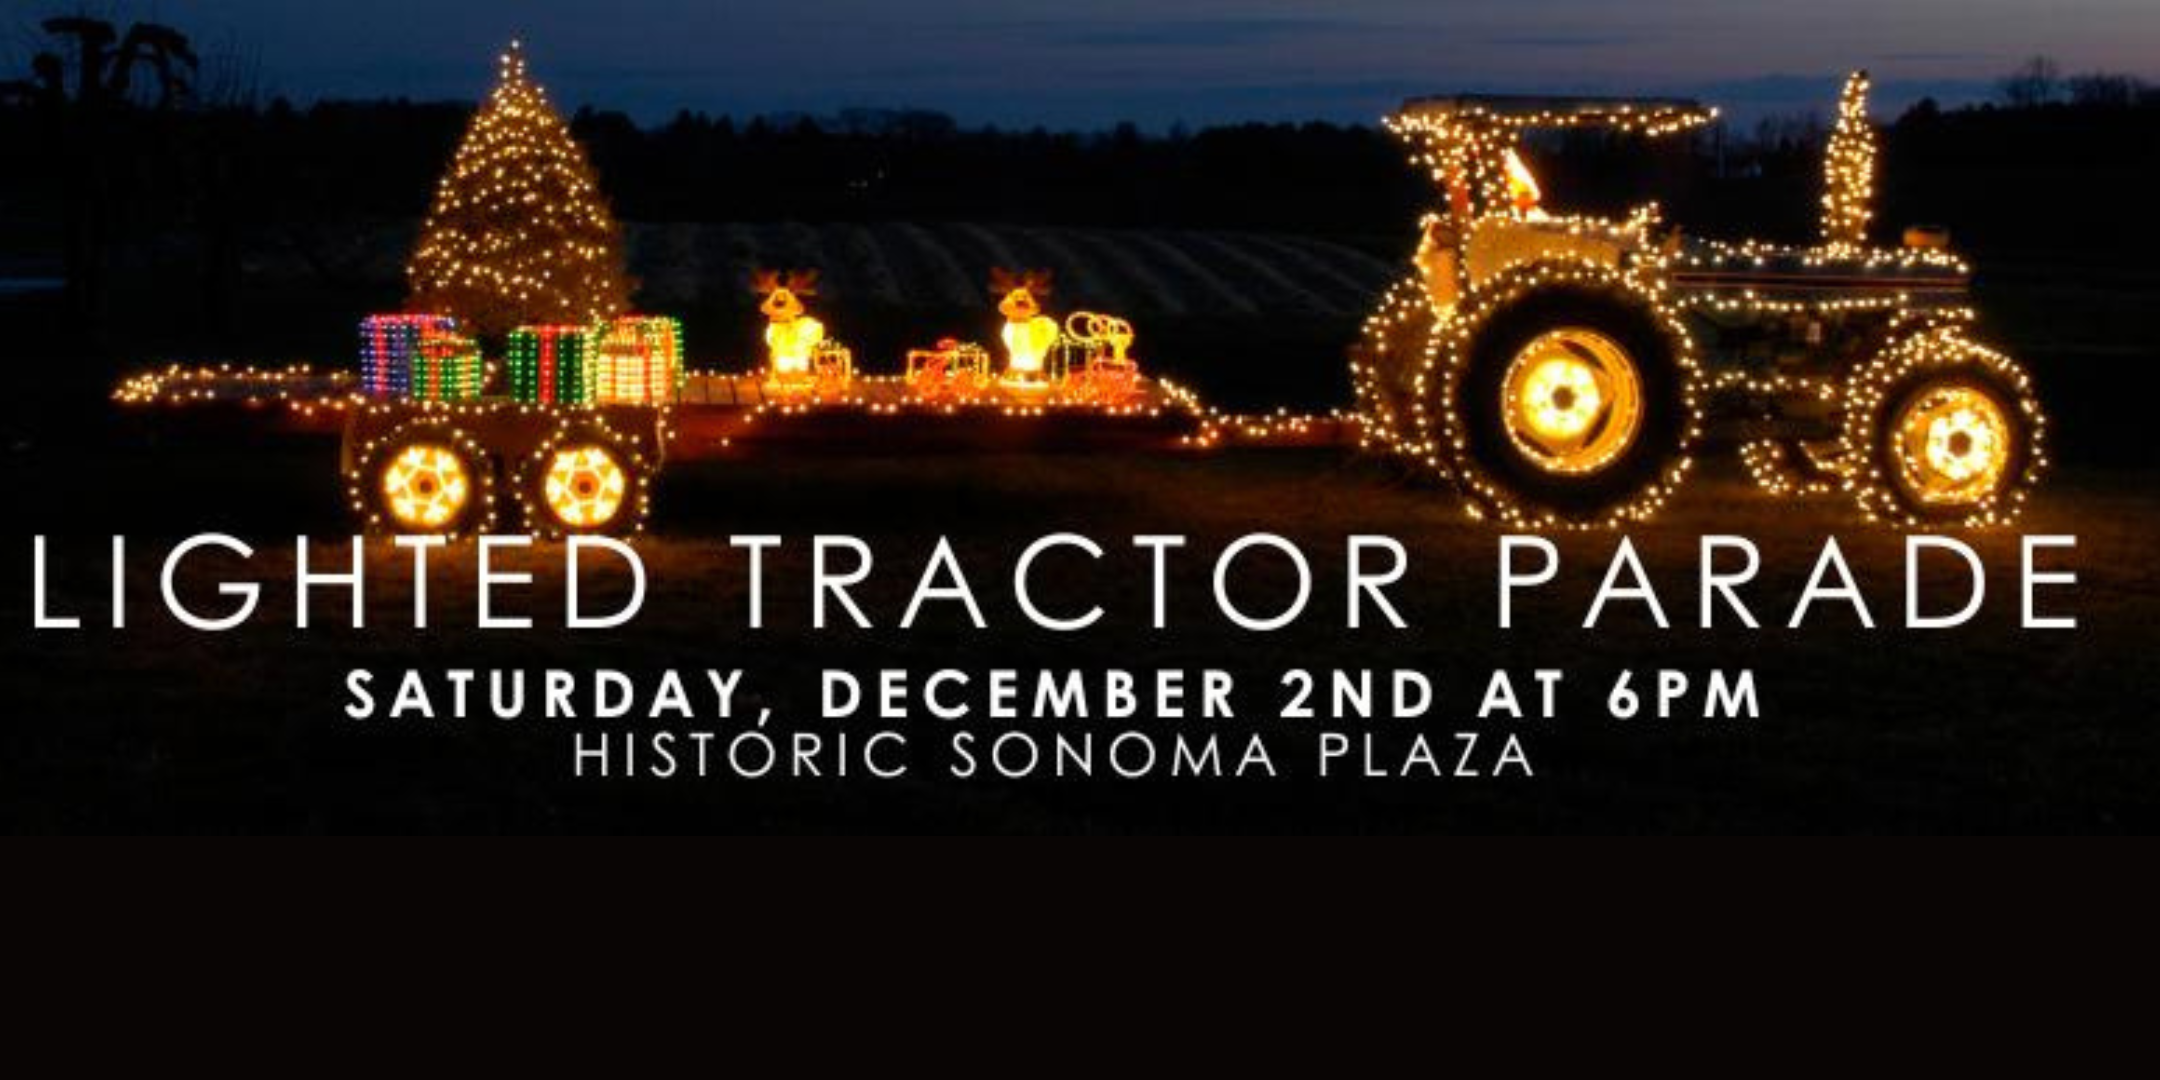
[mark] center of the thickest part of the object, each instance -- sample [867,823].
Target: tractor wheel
[1391,357]
[1567,398]
[423,478]
[1944,433]
[585,479]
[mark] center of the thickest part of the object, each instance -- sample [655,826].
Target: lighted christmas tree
[519,233]
[1849,171]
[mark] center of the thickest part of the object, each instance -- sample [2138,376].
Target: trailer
[495,464]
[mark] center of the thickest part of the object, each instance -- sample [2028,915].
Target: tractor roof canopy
[1645,116]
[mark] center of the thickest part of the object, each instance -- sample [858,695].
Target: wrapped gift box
[389,344]
[638,361]
[447,367]
[552,365]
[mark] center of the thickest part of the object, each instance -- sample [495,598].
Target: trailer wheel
[1568,397]
[585,479]
[1947,433]
[423,478]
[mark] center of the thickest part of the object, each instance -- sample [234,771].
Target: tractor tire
[1567,397]
[1944,433]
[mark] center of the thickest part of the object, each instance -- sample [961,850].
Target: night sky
[1074,64]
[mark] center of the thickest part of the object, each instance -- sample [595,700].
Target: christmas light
[1028,334]
[1601,321]
[802,360]
[519,232]
[952,371]
[1941,431]
[1106,374]
[421,476]
[552,365]
[1849,169]
[1557,368]
[638,361]
[396,348]
[301,389]
[425,486]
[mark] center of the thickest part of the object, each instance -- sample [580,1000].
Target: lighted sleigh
[1563,370]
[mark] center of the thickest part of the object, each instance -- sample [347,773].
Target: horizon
[1023,65]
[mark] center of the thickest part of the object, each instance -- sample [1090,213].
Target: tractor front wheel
[1949,433]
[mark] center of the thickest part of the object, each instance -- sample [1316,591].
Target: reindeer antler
[764,281]
[802,282]
[1037,281]
[1002,280]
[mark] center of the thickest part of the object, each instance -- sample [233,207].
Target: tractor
[1564,370]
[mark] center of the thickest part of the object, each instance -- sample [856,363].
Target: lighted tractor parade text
[1559,371]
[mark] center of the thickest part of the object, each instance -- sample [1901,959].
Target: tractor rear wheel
[1567,402]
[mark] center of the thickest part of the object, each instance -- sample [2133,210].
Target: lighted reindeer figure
[1029,335]
[792,337]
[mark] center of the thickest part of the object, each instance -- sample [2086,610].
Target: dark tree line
[87,103]
[143,176]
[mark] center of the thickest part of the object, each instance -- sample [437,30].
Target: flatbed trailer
[494,463]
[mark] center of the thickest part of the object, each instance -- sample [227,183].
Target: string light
[1961,447]
[1029,334]
[519,232]
[1940,431]
[638,361]
[1849,169]
[587,474]
[299,388]
[1603,321]
[552,365]
[801,360]
[1106,373]
[418,356]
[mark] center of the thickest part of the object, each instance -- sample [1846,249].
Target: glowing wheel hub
[425,487]
[1952,444]
[584,486]
[1571,401]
